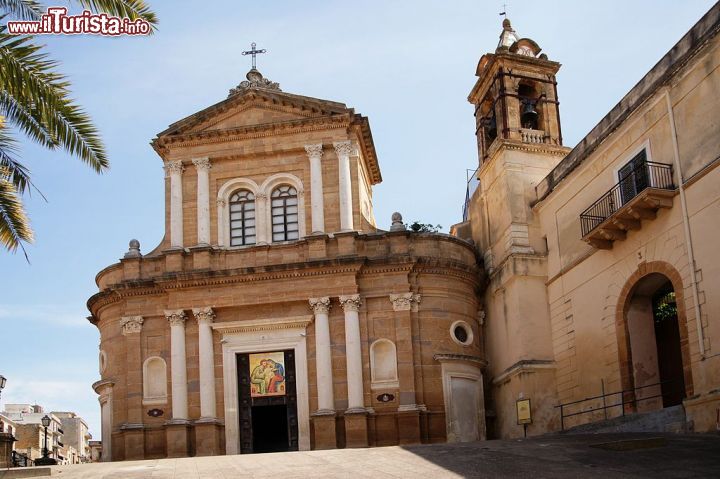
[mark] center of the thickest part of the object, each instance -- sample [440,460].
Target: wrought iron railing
[645,175]
[472,184]
[21,460]
[622,398]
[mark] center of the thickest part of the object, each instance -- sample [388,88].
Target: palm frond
[26,120]
[14,223]
[12,169]
[22,9]
[29,78]
[132,9]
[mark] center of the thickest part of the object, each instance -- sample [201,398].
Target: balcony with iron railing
[636,197]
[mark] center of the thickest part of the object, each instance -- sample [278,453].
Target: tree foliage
[418,227]
[35,101]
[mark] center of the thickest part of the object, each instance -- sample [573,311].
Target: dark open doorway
[270,428]
[655,341]
[667,339]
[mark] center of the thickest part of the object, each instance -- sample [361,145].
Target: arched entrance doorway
[653,344]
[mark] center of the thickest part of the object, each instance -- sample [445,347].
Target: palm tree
[35,100]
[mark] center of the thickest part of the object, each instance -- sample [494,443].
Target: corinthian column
[205,317]
[343,149]
[351,305]
[314,153]
[174,169]
[323,357]
[178,364]
[202,165]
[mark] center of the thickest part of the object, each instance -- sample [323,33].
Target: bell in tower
[515,96]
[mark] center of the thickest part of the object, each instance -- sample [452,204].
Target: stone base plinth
[207,437]
[134,439]
[6,443]
[408,426]
[177,434]
[356,428]
[324,430]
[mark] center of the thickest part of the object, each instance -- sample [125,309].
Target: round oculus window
[461,333]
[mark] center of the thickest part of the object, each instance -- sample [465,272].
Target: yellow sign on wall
[524,413]
[267,374]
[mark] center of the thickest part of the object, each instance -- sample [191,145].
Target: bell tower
[515,96]
[519,142]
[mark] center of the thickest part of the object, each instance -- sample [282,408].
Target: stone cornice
[163,281]
[265,324]
[304,125]
[461,358]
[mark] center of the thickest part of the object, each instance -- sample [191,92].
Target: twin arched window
[284,216]
[284,213]
[242,218]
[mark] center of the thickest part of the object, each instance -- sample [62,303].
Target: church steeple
[515,96]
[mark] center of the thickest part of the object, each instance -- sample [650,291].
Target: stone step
[670,419]
[22,472]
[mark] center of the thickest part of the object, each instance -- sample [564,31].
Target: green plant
[418,227]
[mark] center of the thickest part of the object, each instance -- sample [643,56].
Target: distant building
[76,435]
[95,451]
[68,437]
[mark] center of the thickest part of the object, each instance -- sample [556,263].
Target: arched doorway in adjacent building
[653,343]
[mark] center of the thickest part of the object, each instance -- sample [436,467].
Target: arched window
[242,218]
[383,365]
[284,212]
[154,381]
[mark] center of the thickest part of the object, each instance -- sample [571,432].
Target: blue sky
[407,65]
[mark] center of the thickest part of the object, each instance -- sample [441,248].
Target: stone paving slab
[681,456]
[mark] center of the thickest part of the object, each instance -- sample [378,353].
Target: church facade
[581,285]
[274,315]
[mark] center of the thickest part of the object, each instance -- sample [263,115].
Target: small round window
[461,333]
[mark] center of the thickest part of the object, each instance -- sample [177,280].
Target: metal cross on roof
[504,12]
[254,53]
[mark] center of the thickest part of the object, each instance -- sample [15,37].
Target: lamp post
[45,422]
[2,383]
[45,460]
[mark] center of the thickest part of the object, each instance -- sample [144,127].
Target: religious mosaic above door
[267,374]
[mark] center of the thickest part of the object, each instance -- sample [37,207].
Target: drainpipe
[686,225]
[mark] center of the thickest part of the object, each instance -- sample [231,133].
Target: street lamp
[45,422]
[2,383]
[45,460]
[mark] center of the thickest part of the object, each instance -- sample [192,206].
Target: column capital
[202,164]
[343,148]
[314,151]
[131,324]
[176,317]
[350,302]
[204,315]
[261,196]
[401,302]
[405,301]
[174,167]
[320,305]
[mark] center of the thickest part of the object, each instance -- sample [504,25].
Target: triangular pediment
[255,107]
